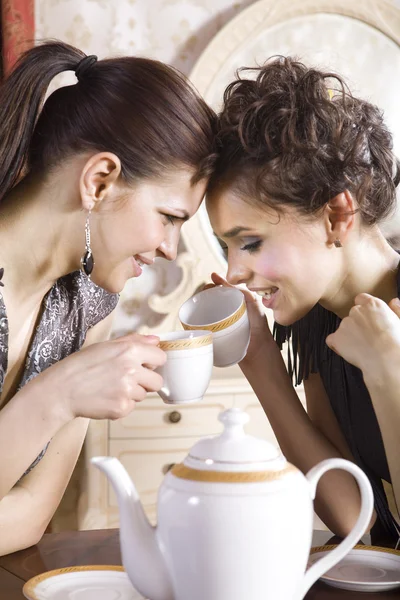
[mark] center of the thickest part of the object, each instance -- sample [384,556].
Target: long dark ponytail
[142,110]
[21,99]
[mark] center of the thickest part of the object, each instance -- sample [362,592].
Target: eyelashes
[170,219]
[252,247]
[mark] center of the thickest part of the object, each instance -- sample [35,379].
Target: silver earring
[87,261]
[338,243]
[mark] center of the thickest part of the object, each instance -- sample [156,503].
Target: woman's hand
[370,335]
[105,380]
[260,333]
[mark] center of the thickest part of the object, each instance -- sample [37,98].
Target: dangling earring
[338,243]
[87,261]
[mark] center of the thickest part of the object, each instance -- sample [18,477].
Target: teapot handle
[364,518]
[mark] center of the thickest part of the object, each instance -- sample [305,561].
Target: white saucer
[82,583]
[364,569]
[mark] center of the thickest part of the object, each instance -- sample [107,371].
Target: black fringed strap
[309,335]
[308,353]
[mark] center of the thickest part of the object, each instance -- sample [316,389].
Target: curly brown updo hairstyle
[296,136]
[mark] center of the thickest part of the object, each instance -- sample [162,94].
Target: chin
[287,318]
[113,285]
[283,320]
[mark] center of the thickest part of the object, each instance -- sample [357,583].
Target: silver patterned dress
[71,307]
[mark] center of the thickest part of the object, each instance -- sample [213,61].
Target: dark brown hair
[297,136]
[140,109]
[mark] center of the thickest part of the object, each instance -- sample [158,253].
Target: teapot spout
[141,553]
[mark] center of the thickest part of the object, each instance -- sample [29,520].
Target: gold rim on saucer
[31,584]
[186,343]
[214,327]
[184,472]
[328,548]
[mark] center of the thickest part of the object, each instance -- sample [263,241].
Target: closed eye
[170,219]
[252,247]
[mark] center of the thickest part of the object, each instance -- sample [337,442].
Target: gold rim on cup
[186,343]
[214,327]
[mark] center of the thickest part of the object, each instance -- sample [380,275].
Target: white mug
[222,311]
[188,369]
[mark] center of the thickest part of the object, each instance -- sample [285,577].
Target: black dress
[349,398]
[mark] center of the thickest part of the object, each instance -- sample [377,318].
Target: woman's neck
[39,229]
[369,265]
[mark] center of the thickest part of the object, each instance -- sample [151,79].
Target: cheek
[148,235]
[271,266]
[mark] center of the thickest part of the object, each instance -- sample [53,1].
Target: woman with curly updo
[305,173]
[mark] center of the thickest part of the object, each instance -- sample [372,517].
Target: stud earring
[338,243]
[87,261]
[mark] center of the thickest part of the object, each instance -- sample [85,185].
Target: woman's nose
[168,250]
[237,273]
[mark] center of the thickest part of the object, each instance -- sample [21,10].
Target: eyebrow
[234,232]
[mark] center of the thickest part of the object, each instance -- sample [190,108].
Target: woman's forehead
[227,210]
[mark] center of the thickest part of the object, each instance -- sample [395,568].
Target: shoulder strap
[306,341]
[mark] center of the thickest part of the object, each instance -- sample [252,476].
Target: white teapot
[235,522]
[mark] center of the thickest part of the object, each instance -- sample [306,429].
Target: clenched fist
[370,334]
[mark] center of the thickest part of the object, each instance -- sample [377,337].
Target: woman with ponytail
[95,181]
[304,175]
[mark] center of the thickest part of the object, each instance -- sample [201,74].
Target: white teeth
[267,294]
[139,262]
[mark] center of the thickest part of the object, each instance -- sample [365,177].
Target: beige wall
[174,31]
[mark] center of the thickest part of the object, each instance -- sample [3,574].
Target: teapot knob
[234,419]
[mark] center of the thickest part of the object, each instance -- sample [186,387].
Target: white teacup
[188,369]
[223,311]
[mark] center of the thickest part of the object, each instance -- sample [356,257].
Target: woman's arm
[369,338]
[306,439]
[26,510]
[385,395]
[102,381]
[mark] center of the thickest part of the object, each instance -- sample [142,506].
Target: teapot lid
[233,449]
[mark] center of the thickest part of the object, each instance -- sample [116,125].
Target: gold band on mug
[186,343]
[222,324]
[184,472]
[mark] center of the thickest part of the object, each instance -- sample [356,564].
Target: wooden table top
[101,547]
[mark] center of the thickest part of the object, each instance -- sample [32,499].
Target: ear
[98,176]
[340,216]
